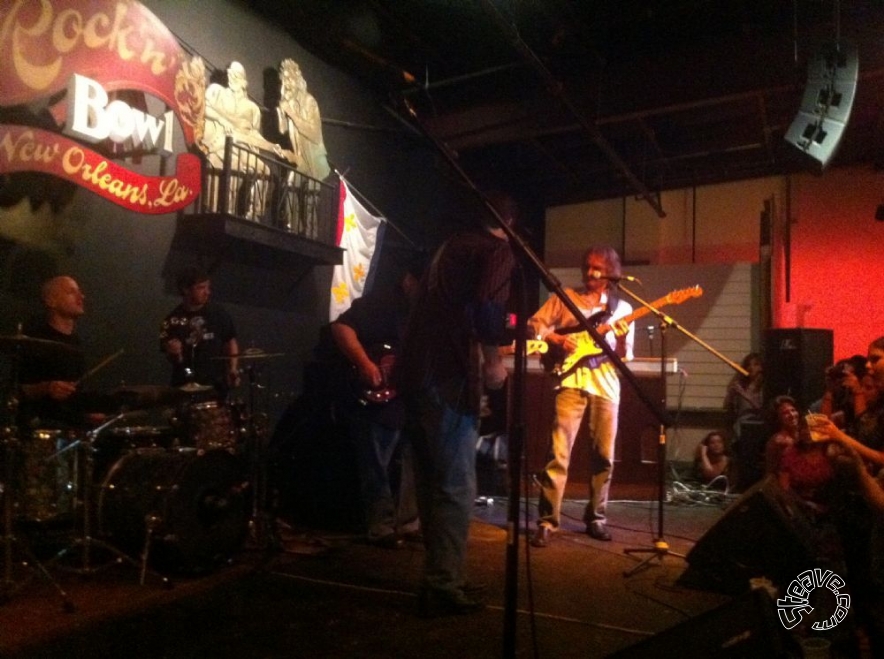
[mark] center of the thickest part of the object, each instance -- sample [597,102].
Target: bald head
[63,300]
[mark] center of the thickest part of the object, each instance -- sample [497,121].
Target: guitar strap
[611,301]
[595,362]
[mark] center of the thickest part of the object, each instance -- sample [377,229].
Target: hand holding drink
[820,427]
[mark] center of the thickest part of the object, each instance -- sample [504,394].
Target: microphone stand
[660,548]
[515,453]
[522,249]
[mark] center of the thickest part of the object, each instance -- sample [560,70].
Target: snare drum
[194,505]
[212,425]
[48,475]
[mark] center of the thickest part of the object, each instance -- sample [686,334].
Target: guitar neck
[635,315]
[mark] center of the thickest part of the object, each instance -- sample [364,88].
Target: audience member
[843,399]
[861,519]
[711,462]
[797,462]
[743,399]
[868,425]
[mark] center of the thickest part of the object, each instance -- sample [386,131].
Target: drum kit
[177,497]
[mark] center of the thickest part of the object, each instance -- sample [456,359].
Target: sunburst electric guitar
[587,348]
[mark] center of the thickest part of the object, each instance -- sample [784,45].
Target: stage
[328,594]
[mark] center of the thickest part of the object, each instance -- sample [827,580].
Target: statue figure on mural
[230,111]
[299,118]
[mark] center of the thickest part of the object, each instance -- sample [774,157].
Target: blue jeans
[444,441]
[571,405]
[376,446]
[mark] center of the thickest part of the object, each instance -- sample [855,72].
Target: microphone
[595,274]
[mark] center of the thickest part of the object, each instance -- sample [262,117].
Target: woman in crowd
[798,463]
[743,399]
[711,461]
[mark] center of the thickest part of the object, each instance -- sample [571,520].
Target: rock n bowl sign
[87,72]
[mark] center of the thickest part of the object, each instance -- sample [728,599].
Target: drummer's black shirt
[40,363]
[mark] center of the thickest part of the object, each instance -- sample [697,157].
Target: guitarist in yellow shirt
[589,383]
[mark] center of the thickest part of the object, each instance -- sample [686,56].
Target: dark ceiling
[580,100]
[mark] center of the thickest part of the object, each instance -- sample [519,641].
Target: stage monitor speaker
[795,363]
[762,534]
[827,102]
[745,627]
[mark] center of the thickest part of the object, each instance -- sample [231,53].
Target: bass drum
[194,504]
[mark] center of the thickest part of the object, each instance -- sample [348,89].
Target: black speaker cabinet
[795,363]
[749,453]
[762,534]
[745,627]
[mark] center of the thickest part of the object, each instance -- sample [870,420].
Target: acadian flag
[359,233]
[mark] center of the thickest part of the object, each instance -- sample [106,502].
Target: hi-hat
[32,346]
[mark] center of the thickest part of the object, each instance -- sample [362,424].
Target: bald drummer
[48,375]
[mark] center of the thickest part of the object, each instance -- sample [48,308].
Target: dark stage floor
[330,595]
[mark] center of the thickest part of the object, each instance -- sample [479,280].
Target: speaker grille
[828,99]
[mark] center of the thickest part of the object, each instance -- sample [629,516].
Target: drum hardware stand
[10,451]
[8,587]
[262,525]
[85,542]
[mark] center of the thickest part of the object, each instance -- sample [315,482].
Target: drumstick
[100,365]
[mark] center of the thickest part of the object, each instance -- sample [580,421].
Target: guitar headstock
[677,297]
[536,347]
[532,347]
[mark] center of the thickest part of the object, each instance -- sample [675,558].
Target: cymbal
[195,388]
[143,396]
[17,343]
[251,353]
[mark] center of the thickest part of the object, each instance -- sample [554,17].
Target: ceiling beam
[554,87]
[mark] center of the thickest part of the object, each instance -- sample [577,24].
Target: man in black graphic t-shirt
[196,333]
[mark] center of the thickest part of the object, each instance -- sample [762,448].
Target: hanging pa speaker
[825,107]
